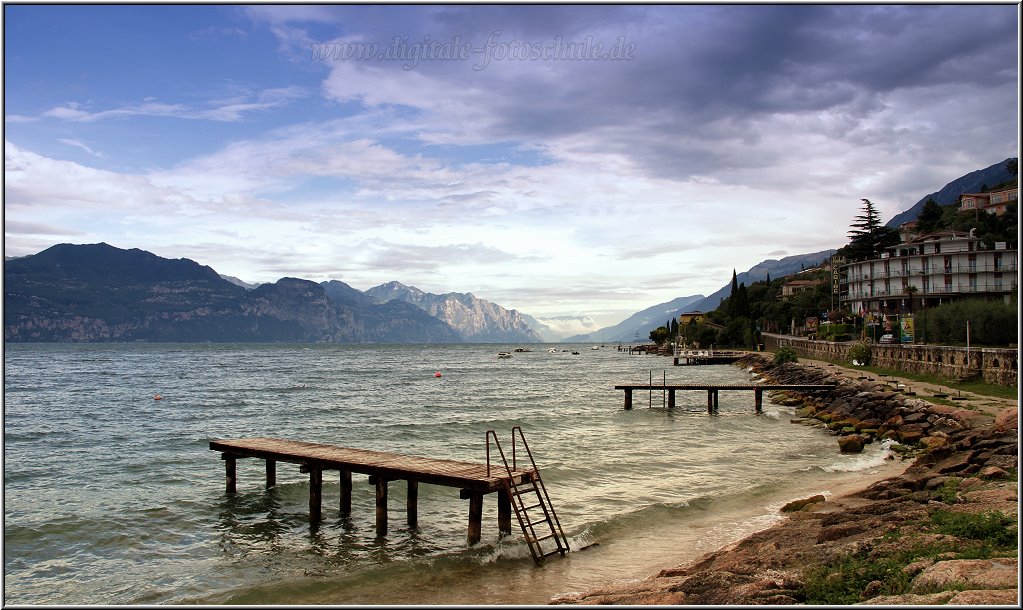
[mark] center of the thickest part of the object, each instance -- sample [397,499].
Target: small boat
[594,347]
[504,354]
[522,349]
[575,353]
[552,350]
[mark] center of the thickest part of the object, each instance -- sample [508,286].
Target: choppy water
[112,497]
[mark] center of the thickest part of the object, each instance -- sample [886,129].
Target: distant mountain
[475,320]
[638,325]
[972,182]
[238,282]
[777,269]
[97,292]
[557,328]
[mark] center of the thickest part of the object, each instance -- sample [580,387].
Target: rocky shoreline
[965,462]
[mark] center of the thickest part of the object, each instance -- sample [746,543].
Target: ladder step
[517,492]
[525,508]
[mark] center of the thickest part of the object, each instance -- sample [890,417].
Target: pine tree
[866,223]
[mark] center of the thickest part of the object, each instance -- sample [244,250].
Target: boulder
[1007,420]
[997,573]
[852,443]
[801,504]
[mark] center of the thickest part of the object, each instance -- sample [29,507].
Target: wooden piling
[758,400]
[475,517]
[412,504]
[315,492]
[345,479]
[628,399]
[231,471]
[271,473]
[504,511]
[381,507]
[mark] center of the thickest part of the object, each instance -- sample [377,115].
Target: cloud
[14,227]
[261,101]
[79,144]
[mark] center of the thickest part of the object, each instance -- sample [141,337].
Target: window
[998,262]
[973,283]
[972,260]
[948,264]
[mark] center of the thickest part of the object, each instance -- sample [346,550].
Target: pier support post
[712,401]
[475,517]
[231,471]
[758,400]
[412,504]
[628,399]
[315,492]
[381,507]
[504,511]
[271,473]
[345,479]
[671,398]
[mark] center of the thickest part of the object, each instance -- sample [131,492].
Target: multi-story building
[928,271]
[992,202]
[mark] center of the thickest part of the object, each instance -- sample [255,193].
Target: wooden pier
[713,389]
[693,357]
[474,480]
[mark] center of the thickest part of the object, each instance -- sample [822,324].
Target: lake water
[112,497]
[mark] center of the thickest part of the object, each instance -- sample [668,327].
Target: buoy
[437,374]
[157,397]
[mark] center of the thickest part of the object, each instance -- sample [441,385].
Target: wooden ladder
[532,504]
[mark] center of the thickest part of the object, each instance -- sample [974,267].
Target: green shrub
[860,353]
[991,527]
[785,354]
[842,581]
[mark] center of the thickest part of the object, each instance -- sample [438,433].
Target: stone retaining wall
[996,365]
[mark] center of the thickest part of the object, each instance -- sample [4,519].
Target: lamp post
[923,307]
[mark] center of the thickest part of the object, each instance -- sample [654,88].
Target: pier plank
[389,466]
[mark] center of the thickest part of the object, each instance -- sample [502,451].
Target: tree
[867,236]
[929,219]
[866,223]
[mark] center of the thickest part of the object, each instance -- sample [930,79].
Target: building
[790,288]
[993,202]
[928,271]
[692,316]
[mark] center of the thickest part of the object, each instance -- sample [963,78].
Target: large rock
[852,443]
[1007,420]
[998,573]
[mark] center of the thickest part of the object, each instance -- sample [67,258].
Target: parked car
[887,339]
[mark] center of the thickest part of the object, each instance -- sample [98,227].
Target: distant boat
[522,349]
[504,354]
[552,350]
[575,353]
[594,347]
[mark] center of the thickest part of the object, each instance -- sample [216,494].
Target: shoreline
[769,566]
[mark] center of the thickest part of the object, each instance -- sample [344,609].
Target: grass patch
[993,528]
[852,578]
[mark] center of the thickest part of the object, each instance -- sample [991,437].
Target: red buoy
[437,374]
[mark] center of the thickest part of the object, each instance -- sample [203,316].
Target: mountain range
[96,292]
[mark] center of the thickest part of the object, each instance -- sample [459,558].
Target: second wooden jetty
[713,389]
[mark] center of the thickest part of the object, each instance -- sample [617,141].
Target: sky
[561,160]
